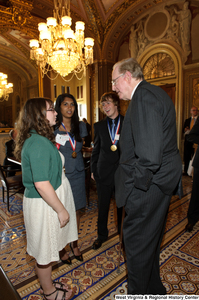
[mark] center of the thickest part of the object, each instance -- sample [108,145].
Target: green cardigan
[40,161]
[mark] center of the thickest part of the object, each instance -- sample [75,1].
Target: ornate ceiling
[107,21]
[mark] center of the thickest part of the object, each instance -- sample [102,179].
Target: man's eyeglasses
[113,82]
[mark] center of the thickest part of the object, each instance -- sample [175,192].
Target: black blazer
[187,143]
[193,137]
[186,124]
[104,162]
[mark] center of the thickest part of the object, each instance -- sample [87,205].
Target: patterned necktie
[113,129]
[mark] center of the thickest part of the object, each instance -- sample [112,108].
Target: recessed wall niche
[157,25]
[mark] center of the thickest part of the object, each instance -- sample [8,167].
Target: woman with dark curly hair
[69,137]
[48,205]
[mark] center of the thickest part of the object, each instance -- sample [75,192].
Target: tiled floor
[98,277]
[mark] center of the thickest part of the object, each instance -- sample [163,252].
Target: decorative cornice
[21,11]
[18,16]
[96,25]
[192,66]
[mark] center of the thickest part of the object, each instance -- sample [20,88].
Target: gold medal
[113,148]
[74,154]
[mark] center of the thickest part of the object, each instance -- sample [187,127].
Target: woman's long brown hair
[33,116]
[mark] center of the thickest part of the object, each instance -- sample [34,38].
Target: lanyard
[71,138]
[116,130]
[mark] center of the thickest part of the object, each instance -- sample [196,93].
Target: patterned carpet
[99,276]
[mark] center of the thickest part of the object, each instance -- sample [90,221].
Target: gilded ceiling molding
[18,15]
[21,11]
[19,64]
[106,11]
[19,46]
[3,30]
[102,4]
[96,24]
[118,12]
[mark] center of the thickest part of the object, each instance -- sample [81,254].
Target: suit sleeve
[193,136]
[147,128]
[96,150]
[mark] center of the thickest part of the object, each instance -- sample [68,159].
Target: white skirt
[45,238]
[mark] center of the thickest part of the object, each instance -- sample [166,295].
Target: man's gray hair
[131,65]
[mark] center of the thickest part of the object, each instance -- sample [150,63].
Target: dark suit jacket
[187,143]
[104,162]
[193,137]
[186,124]
[148,143]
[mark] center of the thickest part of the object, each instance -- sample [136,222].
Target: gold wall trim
[191,91]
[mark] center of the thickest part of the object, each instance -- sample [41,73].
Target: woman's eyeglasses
[51,109]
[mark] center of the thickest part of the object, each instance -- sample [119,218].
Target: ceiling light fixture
[5,88]
[59,47]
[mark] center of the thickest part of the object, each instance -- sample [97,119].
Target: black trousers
[104,196]
[143,229]
[193,210]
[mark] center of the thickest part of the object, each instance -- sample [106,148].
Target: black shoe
[67,261]
[78,257]
[189,227]
[97,244]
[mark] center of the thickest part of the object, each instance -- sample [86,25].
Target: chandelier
[60,48]
[5,88]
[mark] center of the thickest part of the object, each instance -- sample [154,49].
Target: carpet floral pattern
[101,275]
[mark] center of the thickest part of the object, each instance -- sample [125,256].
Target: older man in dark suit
[150,168]
[104,161]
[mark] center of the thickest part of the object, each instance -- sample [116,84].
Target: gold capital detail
[21,11]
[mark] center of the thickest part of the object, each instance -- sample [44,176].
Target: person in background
[150,169]
[189,146]
[9,148]
[87,139]
[70,134]
[48,205]
[104,161]
[193,210]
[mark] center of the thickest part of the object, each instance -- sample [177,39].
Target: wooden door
[170,90]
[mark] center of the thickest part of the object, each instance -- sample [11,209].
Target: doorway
[170,89]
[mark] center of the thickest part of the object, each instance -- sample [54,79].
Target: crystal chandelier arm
[60,48]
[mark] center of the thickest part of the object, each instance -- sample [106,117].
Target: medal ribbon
[117,128]
[71,139]
[58,146]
